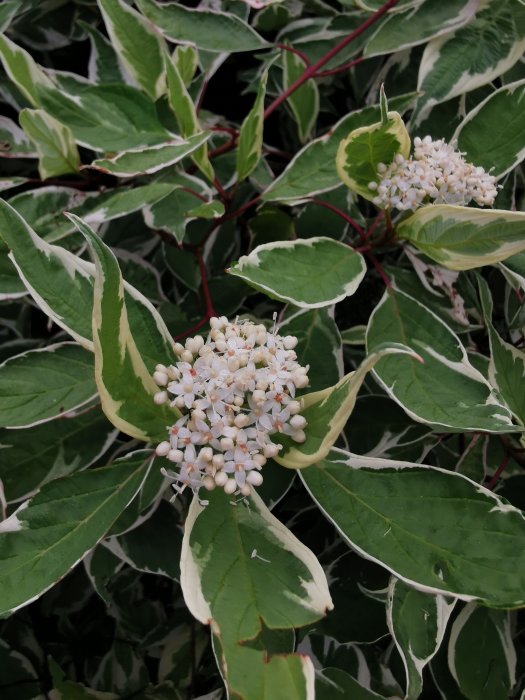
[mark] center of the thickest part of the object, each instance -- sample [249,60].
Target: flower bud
[175,455]
[209,483]
[255,478]
[162,448]
[298,422]
[221,478]
[160,378]
[246,490]
[230,487]
[160,397]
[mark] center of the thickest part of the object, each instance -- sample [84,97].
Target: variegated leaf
[54,143]
[327,412]
[25,73]
[290,271]
[432,528]
[139,47]
[445,391]
[249,146]
[125,385]
[417,623]
[40,542]
[461,238]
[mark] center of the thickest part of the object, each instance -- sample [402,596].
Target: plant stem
[311,70]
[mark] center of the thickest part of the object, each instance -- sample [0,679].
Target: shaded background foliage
[116,624]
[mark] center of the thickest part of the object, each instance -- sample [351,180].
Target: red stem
[291,49]
[339,69]
[348,219]
[311,70]
[498,471]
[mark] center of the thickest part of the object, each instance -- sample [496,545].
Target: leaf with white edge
[507,363]
[8,11]
[359,155]
[106,118]
[54,143]
[444,391]
[354,336]
[461,238]
[22,70]
[13,141]
[417,623]
[104,65]
[310,273]
[125,385]
[34,456]
[146,161]
[40,385]
[7,183]
[241,568]
[493,133]
[471,56]
[327,412]
[210,30]
[48,535]
[186,58]
[319,345]
[128,30]
[62,285]
[304,101]
[432,528]
[207,210]
[313,169]
[249,145]
[185,112]
[43,207]
[417,24]
[11,286]
[335,684]
[481,653]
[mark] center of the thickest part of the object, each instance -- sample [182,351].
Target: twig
[311,70]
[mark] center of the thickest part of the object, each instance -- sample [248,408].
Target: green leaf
[104,66]
[493,133]
[18,677]
[309,273]
[64,689]
[54,142]
[145,161]
[22,70]
[326,413]
[240,569]
[42,542]
[125,385]
[39,385]
[147,548]
[209,30]
[334,684]
[62,285]
[507,363]
[34,456]
[249,146]
[365,148]
[11,286]
[7,183]
[313,169]
[461,238]
[139,47]
[304,102]
[417,24]
[185,112]
[106,117]
[481,654]
[471,56]
[431,527]
[13,141]
[417,623]
[444,391]
[8,12]
[186,58]
[319,345]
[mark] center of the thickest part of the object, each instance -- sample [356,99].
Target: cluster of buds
[436,174]
[234,390]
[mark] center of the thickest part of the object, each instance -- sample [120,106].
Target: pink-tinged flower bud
[160,397]
[221,478]
[246,490]
[271,450]
[301,381]
[259,459]
[254,478]
[186,356]
[218,461]
[289,342]
[230,487]
[162,449]
[161,368]
[208,482]
[299,436]
[206,454]
[175,456]
[178,348]
[294,407]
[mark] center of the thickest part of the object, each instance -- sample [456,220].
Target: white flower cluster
[437,174]
[235,390]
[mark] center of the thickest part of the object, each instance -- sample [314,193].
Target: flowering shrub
[322,496]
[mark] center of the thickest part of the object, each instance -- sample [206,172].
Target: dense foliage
[343,181]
